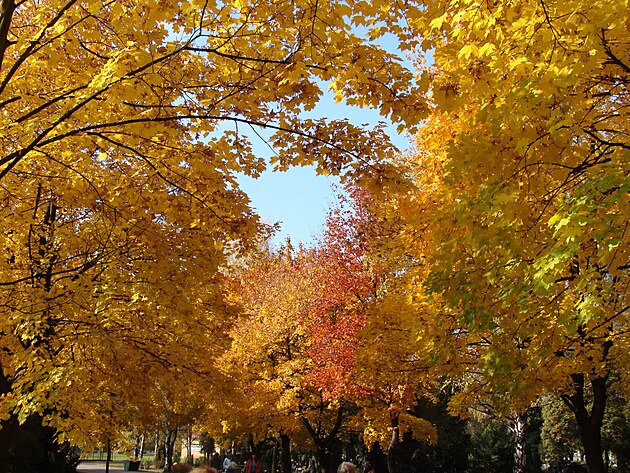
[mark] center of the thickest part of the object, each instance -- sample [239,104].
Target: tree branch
[6,15]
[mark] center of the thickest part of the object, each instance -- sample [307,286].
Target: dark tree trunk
[6,15]
[108,459]
[589,423]
[286,453]
[520,453]
[325,442]
[169,445]
[253,446]
[159,449]
[394,444]
[274,456]
[7,427]
[325,460]
[7,434]
[30,445]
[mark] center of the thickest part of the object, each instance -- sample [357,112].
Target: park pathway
[99,467]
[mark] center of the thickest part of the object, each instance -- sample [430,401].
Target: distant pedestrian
[226,462]
[253,465]
[215,461]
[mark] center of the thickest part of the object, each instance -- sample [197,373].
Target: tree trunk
[169,445]
[274,456]
[286,453]
[168,452]
[592,442]
[589,423]
[31,437]
[159,449]
[7,432]
[520,455]
[7,426]
[325,460]
[325,441]
[253,446]
[108,460]
[394,444]
[141,453]
[189,439]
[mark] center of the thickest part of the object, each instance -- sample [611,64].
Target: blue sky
[298,198]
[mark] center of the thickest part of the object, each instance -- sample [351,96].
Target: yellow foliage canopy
[121,134]
[519,215]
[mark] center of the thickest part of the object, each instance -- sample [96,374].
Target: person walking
[215,462]
[253,465]
[226,462]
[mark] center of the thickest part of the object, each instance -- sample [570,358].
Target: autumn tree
[518,221]
[356,359]
[346,283]
[386,378]
[297,340]
[270,365]
[306,332]
[122,134]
